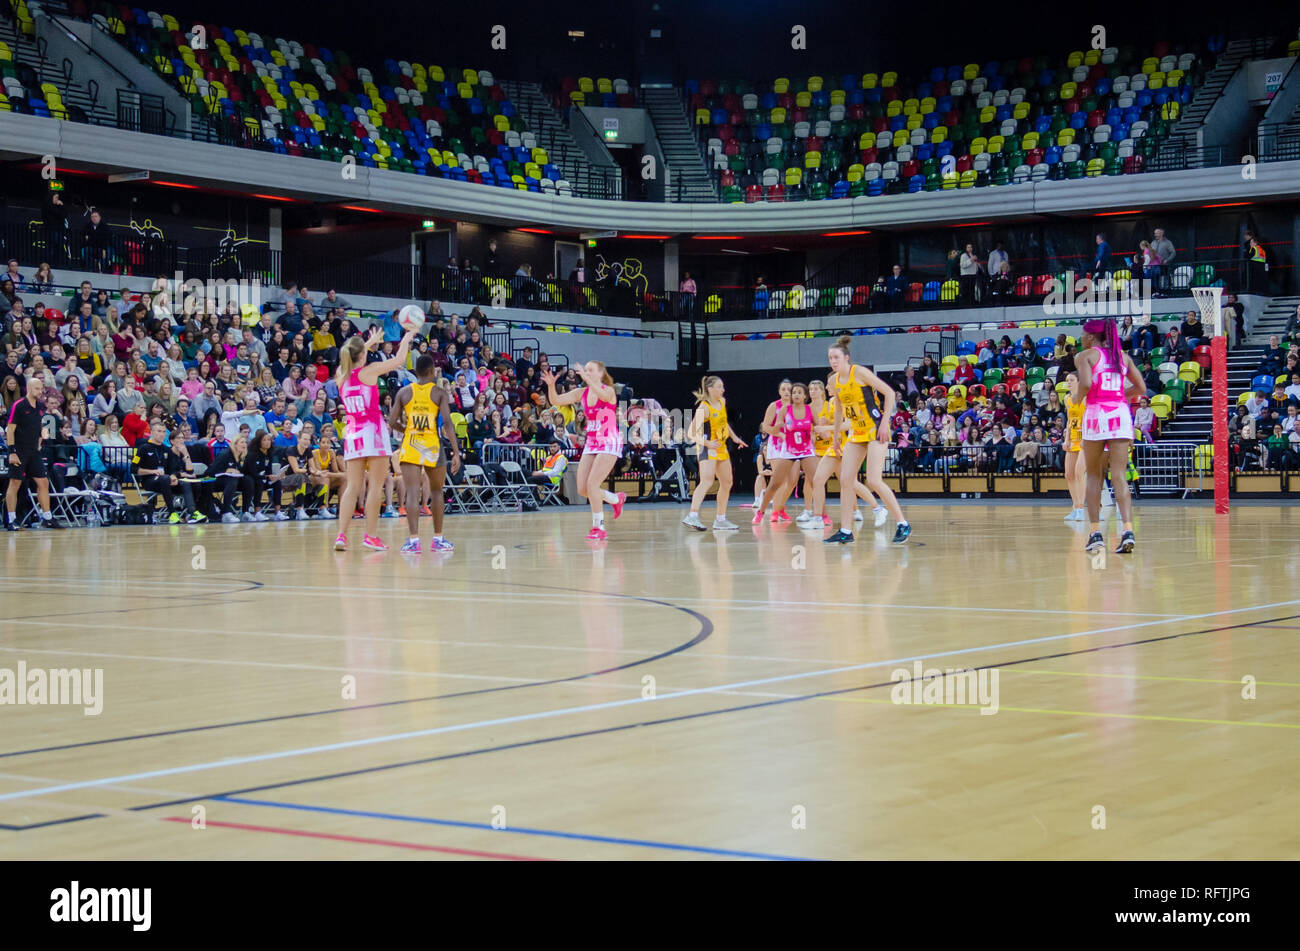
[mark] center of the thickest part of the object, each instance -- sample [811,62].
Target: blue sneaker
[840,538]
[412,547]
[441,544]
[902,533]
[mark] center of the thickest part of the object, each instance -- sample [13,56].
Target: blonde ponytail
[350,354]
[702,394]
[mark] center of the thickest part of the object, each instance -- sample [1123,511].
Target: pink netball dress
[366,432]
[775,448]
[798,433]
[1106,413]
[602,426]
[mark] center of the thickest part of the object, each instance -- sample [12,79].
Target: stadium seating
[1100,112]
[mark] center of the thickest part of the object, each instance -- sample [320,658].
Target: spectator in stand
[95,243]
[1256,264]
[970,275]
[136,424]
[1101,259]
[331,302]
[1178,351]
[479,429]
[1193,330]
[1149,260]
[929,372]
[1293,391]
[1003,285]
[1166,252]
[998,257]
[896,288]
[291,320]
[1144,419]
[1256,405]
[1273,359]
[687,291]
[965,372]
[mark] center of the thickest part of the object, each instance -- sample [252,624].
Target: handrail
[87,47]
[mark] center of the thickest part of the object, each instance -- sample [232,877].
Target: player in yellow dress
[715,460]
[1075,474]
[422,414]
[856,391]
[828,461]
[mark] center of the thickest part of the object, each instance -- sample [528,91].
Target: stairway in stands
[1195,419]
[691,179]
[1182,136]
[29,51]
[561,147]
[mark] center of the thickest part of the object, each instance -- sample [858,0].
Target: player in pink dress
[1103,370]
[366,441]
[775,453]
[794,427]
[604,445]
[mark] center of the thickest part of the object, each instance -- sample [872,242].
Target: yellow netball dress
[824,445]
[420,443]
[719,431]
[860,408]
[1074,425]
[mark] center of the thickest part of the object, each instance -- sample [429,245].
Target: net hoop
[1207,299]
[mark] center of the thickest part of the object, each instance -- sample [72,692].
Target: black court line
[245,585]
[632,726]
[706,631]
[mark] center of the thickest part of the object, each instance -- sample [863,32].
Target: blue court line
[519,830]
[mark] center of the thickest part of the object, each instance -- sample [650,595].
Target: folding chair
[517,490]
[472,490]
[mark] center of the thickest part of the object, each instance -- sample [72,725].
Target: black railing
[125,251]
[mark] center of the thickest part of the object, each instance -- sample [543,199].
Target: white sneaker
[805,516]
[693,521]
[248,517]
[881,514]
[858,516]
[302,514]
[281,516]
[720,524]
[261,517]
[230,518]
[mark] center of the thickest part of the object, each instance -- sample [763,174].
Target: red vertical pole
[1219,383]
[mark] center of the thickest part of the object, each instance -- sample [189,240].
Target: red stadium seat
[1201,355]
[1013,375]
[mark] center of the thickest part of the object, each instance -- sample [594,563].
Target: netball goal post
[1209,300]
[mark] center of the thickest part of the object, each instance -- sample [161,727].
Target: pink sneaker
[826,522]
[780,518]
[618,506]
[371,542]
[441,544]
[341,543]
[597,534]
[758,516]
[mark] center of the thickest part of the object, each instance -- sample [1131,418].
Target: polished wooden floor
[664,695]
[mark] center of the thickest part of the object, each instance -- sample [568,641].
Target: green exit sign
[428,223]
[611,133]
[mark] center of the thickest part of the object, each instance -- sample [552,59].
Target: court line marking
[619,728]
[586,708]
[518,830]
[432,642]
[302,833]
[1068,713]
[758,603]
[1186,680]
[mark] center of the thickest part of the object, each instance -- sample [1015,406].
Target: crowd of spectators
[241,401]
